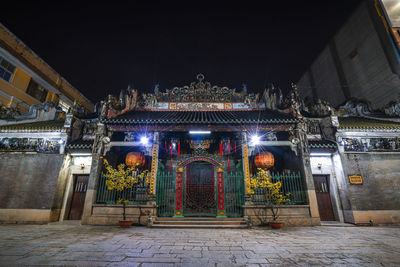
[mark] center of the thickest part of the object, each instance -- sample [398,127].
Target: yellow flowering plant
[122,178]
[273,195]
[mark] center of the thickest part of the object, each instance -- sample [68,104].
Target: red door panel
[321,184]
[78,197]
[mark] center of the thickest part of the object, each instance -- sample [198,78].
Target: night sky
[101,48]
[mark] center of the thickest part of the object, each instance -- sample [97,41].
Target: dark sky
[101,48]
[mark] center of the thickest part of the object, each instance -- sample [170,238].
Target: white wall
[331,166]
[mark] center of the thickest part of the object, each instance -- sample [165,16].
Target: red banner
[221,203]
[178,203]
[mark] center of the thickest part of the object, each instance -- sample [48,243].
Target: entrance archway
[200,190]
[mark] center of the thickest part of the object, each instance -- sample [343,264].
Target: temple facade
[200,145]
[196,147]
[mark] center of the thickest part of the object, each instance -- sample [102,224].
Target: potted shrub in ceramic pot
[273,195]
[119,179]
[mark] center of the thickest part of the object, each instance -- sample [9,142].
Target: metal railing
[138,194]
[234,193]
[292,184]
[166,194]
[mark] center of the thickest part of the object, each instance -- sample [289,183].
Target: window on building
[37,91]
[64,106]
[6,69]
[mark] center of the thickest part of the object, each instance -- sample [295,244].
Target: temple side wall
[28,183]
[291,215]
[111,214]
[63,197]
[378,198]
[331,166]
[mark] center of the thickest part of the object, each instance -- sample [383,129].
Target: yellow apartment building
[25,79]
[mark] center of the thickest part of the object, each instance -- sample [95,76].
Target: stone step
[200,222]
[208,226]
[198,219]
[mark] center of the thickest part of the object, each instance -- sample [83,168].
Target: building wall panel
[28,181]
[381,181]
[364,59]
[328,86]
[21,79]
[9,89]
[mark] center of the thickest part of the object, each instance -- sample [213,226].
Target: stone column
[304,156]
[56,207]
[246,173]
[151,201]
[221,197]
[179,194]
[94,174]
[154,165]
[245,159]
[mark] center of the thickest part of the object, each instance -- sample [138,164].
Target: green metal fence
[138,194]
[234,194]
[165,198]
[292,183]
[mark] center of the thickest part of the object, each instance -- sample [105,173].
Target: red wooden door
[321,183]
[200,199]
[78,197]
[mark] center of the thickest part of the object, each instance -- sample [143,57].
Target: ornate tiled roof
[364,124]
[202,117]
[41,126]
[80,145]
[322,144]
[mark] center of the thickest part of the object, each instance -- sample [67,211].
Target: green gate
[234,193]
[165,190]
[292,184]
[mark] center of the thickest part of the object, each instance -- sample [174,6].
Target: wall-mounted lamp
[199,132]
[144,140]
[255,140]
[320,154]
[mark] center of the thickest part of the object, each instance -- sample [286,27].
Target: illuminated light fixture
[81,154]
[144,140]
[199,132]
[319,154]
[255,140]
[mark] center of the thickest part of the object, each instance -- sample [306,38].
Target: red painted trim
[190,160]
[178,202]
[220,180]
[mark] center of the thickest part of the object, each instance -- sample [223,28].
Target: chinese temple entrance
[199,198]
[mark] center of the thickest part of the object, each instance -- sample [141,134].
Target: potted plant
[119,179]
[273,195]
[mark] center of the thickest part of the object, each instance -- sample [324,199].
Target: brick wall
[28,181]
[381,181]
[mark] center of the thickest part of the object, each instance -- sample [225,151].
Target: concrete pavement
[75,245]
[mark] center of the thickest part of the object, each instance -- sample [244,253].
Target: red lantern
[135,159]
[264,160]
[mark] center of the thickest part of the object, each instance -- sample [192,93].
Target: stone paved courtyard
[75,245]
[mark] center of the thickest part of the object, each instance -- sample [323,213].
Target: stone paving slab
[75,245]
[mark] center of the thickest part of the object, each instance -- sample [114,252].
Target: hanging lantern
[264,160]
[135,159]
